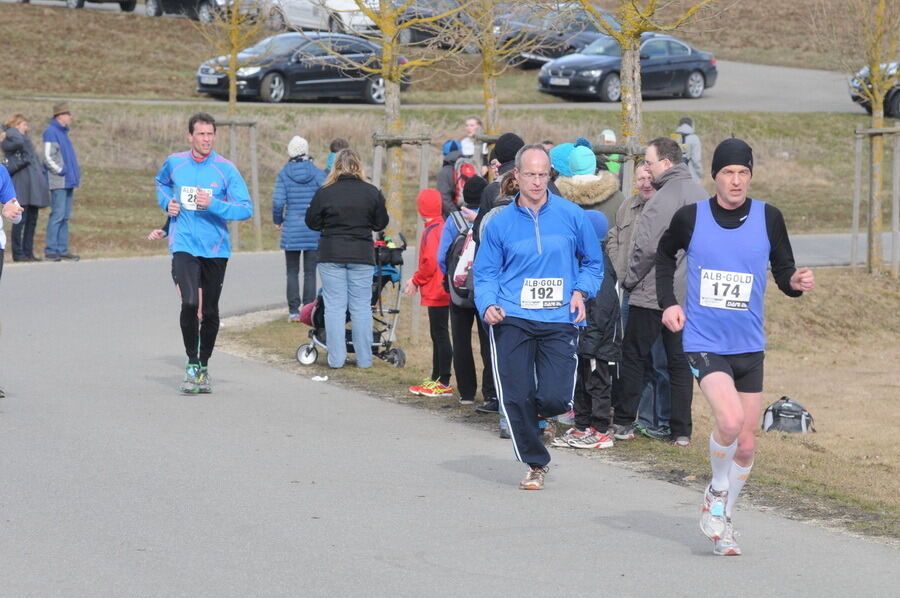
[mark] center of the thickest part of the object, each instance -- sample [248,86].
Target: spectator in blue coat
[64,176]
[295,187]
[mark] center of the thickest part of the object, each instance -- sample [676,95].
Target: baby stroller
[388,270]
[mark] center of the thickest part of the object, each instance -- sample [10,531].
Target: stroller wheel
[396,357]
[307,354]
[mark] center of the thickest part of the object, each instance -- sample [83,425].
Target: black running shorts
[746,369]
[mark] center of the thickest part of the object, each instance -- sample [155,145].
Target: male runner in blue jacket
[537,263]
[200,190]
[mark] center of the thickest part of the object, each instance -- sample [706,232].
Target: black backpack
[787,415]
[459,264]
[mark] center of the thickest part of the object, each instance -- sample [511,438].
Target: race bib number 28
[189,198]
[725,290]
[541,293]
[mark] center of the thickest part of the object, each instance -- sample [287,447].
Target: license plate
[559,80]
[209,80]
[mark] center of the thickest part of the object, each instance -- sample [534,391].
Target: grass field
[804,161]
[835,350]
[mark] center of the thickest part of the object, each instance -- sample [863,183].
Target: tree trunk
[875,252]
[491,104]
[489,72]
[392,182]
[632,121]
[232,81]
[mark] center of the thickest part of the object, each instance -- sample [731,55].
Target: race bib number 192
[541,293]
[189,198]
[725,290]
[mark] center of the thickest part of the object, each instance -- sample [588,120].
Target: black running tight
[192,275]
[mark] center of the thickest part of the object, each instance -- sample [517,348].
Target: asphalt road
[114,485]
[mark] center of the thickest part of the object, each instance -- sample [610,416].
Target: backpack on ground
[460,258]
[463,170]
[787,415]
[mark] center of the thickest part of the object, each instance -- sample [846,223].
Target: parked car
[301,65]
[669,66]
[200,10]
[553,34]
[431,9]
[891,99]
[322,15]
[125,5]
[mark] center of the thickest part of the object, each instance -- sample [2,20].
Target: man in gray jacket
[674,188]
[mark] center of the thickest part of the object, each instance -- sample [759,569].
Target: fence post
[895,209]
[423,184]
[377,165]
[870,211]
[254,181]
[857,195]
[233,228]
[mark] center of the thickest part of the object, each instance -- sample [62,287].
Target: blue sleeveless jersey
[726,284]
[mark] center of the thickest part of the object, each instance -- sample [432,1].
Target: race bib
[541,293]
[189,198]
[725,290]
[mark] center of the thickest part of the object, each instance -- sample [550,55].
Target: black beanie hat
[472,191]
[507,146]
[732,151]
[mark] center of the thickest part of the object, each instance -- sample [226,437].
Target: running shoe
[656,432]
[534,480]
[204,383]
[712,515]
[682,441]
[295,318]
[466,401]
[592,440]
[489,406]
[727,545]
[563,441]
[436,390]
[190,383]
[624,432]
[418,388]
[567,418]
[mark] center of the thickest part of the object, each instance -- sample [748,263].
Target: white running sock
[737,477]
[720,458]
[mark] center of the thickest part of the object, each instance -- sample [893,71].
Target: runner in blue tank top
[729,240]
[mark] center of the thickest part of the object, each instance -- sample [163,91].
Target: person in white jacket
[690,145]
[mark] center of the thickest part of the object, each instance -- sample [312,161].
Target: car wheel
[374,92]
[611,88]
[128,5]
[272,89]
[75,3]
[892,108]
[205,12]
[276,21]
[153,8]
[694,86]
[404,36]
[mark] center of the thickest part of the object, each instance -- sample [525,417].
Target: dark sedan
[301,65]
[668,67]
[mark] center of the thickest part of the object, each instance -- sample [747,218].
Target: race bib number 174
[725,290]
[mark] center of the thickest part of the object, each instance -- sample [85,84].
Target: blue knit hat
[451,145]
[600,223]
[559,158]
[582,161]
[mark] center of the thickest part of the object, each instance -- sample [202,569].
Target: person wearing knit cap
[446,176]
[729,240]
[64,176]
[295,186]
[463,317]
[675,188]
[693,151]
[429,279]
[584,185]
[612,163]
[559,158]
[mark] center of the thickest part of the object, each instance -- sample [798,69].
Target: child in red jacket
[429,279]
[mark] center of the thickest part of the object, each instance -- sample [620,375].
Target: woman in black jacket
[347,209]
[32,190]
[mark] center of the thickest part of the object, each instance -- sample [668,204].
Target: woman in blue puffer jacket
[295,186]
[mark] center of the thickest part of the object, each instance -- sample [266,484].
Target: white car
[323,15]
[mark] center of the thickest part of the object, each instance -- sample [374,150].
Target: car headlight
[592,74]
[248,71]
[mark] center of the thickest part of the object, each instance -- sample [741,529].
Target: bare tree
[230,31]
[870,33]
[636,17]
